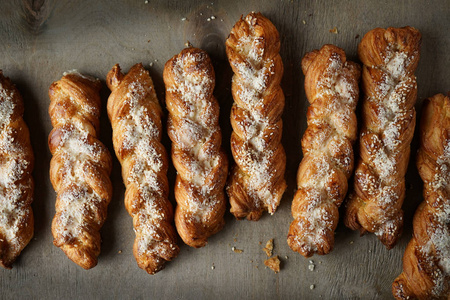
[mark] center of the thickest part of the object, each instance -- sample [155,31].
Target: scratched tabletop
[40,39]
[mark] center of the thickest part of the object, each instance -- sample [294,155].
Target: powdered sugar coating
[136,118]
[6,105]
[77,200]
[194,129]
[331,84]
[251,77]
[257,70]
[16,223]
[390,58]
[196,146]
[437,248]
[426,261]
[393,89]
[79,169]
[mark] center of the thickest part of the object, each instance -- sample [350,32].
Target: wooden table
[41,39]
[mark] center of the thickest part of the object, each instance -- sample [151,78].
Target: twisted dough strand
[426,262]
[79,169]
[135,116]
[16,183]
[331,85]
[390,57]
[193,127]
[257,180]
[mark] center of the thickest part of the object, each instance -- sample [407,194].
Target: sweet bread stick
[135,116]
[257,180]
[331,86]
[193,127]
[79,169]
[16,182]
[426,262]
[390,57]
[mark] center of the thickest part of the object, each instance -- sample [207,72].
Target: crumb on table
[269,248]
[273,263]
[236,250]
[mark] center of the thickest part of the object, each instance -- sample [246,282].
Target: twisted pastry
[79,169]
[390,57]
[135,116]
[426,262]
[196,146]
[257,180]
[16,183]
[331,86]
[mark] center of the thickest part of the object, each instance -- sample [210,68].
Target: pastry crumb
[213,267]
[286,257]
[120,252]
[312,286]
[351,242]
[304,22]
[236,250]
[311,266]
[269,248]
[183,19]
[273,263]
[188,44]
[334,30]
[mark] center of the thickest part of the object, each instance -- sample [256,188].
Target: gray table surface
[41,39]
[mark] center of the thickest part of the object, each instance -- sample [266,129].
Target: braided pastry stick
[331,85]
[16,183]
[79,169]
[135,116]
[390,57]
[193,127]
[426,262]
[257,180]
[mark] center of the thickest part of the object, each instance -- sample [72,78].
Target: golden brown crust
[390,57]
[79,169]
[257,180]
[273,263]
[331,86]
[426,262]
[193,127]
[135,116]
[16,182]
